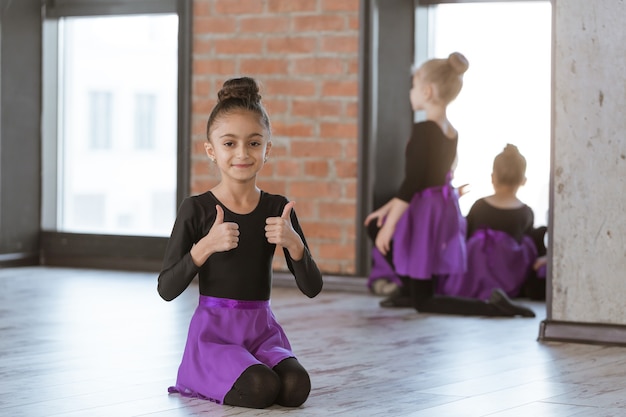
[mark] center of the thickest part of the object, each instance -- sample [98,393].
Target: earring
[265,159]
[212,159]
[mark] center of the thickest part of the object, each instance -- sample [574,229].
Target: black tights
[424,299]
[286,384]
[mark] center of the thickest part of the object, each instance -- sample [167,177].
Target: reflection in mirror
[506,92]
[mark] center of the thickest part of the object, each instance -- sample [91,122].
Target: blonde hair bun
[511,149]
[458,62]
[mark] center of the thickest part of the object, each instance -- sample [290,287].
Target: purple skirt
[495,260]
[430,236]
[381,270]
[225,338]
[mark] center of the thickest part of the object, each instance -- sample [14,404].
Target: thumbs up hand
[279,231]
[224,236]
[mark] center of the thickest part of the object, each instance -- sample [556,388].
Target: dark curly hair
[238,94]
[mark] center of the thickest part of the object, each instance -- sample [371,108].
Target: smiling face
[238,144]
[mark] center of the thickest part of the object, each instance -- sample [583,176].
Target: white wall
[589,163]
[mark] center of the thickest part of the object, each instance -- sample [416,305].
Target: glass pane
[118,124]
[506,92]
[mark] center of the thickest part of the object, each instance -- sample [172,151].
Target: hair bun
[510,149]
[458,62]
[244,88]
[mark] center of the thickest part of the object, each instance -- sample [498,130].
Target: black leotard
[516,222]
[428,159]
[243,273]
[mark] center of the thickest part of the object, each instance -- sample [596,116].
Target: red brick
[288,168]
[350,229]
[213,66]
[209,25]
[198,148]
[202,185]
[316,168]
[350,190]
[346,169]
[351,150]
[266,24]
[283,6]
[273,186]
[199,168]
[353,66]
[263,66]
[275,106]
[337,251]
[340,88]
[319,23]
[339,210]
[202,46]
[329,267]
[318,66]
[238,6]
[198,127]
[278,263]
[354,23]
[345,44]
[291,45]
[315,149]
[315,108]
[340,5]
[201,8]
[238,46]
[314,189]
[352,110]
[305,209]
[201,106]
[291,87]
[278,150]
[292,129]
[201,87]
[338,130]
[321,230]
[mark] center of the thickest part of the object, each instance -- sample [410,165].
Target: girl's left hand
[279,231]
[383,238]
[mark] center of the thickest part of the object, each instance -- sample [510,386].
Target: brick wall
[304,53]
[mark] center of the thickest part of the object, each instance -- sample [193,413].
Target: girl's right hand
[222,237]
[379,214]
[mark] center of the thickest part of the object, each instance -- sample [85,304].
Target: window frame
[96,250]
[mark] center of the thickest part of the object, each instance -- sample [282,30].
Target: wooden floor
[103,344]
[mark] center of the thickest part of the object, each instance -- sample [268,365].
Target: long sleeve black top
[428,159]
[242,273]
[517,222]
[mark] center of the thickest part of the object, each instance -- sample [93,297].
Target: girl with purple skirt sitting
[500,245]
[421,231]
[236,351]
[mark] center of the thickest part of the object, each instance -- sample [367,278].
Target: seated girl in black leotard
[236,351]
[501,250]
[421,231]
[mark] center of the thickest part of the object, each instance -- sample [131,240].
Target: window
[145,120]
[116,128]
[99,120]
[506,92]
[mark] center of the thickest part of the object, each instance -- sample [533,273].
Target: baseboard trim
[589,333]
[352,284]
[18,259]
